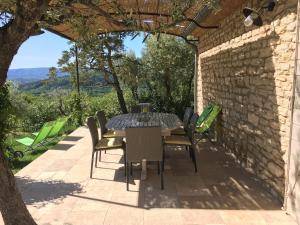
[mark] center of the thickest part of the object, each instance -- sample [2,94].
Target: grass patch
[30,156]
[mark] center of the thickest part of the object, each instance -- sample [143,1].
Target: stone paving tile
[236,217]
[57,190]
[190,186]
[162,217]
[124,215]
[85,218]
[61,165]
[276,216]
[201,217]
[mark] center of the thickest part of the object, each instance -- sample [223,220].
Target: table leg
[144,170]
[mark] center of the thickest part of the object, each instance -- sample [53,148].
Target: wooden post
[196,80]
[77,70]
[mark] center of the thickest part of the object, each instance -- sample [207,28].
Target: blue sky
[45,50]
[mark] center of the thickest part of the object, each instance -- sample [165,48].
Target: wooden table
[166,121]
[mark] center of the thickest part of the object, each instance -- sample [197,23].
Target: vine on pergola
[133,19]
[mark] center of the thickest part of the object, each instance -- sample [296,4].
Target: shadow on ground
[72,138]
[41,192]
[219,184]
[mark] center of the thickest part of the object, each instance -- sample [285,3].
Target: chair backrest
[206,111]
[144,143]
[100,115]
[209,120]
[187,116]
[43,133]
[145,107]
[58,126]
[92,125]
[192,125]
[135,109]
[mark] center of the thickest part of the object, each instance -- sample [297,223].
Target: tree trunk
[186,97]
[120,95]
[116,85]
[13,209]
[12,35]
[134,92]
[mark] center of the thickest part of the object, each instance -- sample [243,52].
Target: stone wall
[249,72]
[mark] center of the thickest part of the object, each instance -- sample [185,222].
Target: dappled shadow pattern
[62,147]
[219,184]
[72,138]
[41,192]
[249,125]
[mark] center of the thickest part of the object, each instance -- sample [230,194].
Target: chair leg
[161,176]
[92,164]
[127,178]
[105,151]
[158,167]
[100,156]
[163,162]
[190,152]
[131,169]
[194,159]
[96,161]
[124,153]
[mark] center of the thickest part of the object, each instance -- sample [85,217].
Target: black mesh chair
[104,132]
[186,119]
[144,143]
[186,141]
[135,109]
[103,144]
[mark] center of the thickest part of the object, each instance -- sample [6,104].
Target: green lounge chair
[207,110]
[37,141]
[208,121]
[56,129]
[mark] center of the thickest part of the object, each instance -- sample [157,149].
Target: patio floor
[57,190]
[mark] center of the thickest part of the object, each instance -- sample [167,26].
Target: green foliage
[5,111]
[109,104]
[167,74]
[95,54]
[76,108]
[128,69]
[52,75]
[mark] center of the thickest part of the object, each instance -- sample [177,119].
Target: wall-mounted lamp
[253,17]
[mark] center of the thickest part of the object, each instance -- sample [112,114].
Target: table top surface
[151,119]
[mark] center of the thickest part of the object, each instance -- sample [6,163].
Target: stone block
[250,71]
[266,52]
[253,119]
[275,169]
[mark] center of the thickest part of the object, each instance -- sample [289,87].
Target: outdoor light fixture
[181,26]
[253,17]
[148,21]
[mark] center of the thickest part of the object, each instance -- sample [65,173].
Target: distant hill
[94,85]
[28,75]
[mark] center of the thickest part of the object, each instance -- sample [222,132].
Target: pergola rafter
[193,19]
